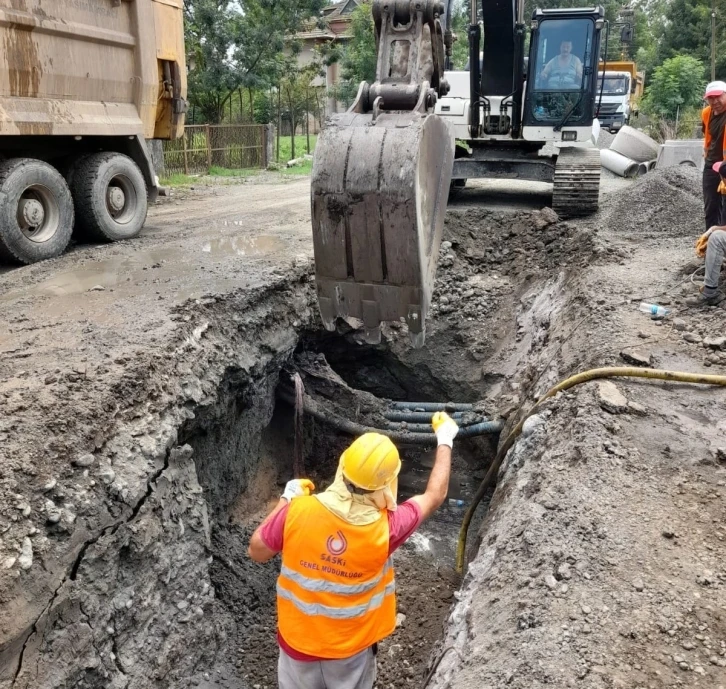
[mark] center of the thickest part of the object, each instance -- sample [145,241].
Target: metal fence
[232,146]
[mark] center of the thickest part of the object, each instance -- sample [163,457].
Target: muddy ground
[141,442]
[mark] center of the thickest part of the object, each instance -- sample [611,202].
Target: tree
[358,57]
[677,84]
[237,44]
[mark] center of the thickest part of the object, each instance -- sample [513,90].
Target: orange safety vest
[706,118]
[336,589]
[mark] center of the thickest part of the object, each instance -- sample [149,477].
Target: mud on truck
[84,86]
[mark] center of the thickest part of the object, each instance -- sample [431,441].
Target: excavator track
[576,190]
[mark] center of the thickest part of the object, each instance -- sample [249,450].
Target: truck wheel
[36,211]
[110,197]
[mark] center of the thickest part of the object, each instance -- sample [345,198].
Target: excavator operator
[563,71]
[336,588]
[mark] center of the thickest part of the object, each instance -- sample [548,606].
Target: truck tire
[110,196]
[36,211]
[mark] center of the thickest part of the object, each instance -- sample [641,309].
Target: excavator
[383,170]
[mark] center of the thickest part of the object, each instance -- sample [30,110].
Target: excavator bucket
[380,184]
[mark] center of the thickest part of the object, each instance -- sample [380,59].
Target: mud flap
[379,193]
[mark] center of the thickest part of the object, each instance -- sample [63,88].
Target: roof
[334,15]
[338,9]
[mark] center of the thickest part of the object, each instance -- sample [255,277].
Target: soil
[142,442]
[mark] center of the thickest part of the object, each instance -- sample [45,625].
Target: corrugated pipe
[480,428]
[417,416]
[431,406]
[586,376]
[351,428]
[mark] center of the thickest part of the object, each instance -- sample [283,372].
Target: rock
[9,563]
[679,324]
[51,379]
[638,409]
[84,460]
[643,335]
[97,288]
[688,645]
[50,485]
[586,609]
[610,398]
[721,454]
[25,561]
[550,582]
[564,571]
[715,342]
[638,585]
[691,337]
[400,620]
[667,533]
[106,474]
[634,358]
[531,424]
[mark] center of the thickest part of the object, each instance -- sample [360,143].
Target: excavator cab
[562,72]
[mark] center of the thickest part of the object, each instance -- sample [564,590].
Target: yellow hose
[592,374]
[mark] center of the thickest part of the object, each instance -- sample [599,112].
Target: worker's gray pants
[714,257]
[356,672]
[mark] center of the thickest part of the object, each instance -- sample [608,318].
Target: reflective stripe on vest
[317,585]
[347,613]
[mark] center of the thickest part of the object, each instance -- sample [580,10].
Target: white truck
[621,87]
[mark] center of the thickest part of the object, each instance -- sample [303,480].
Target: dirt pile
[488,255]
[663,203]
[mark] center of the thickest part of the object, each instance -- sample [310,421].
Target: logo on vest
[337,544]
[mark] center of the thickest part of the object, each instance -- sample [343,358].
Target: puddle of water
[112,272]
[242,246]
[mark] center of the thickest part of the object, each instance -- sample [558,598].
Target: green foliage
[677,84]
[237,43]
[300,146]
[460,28]
[358,56]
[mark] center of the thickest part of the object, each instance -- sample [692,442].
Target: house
[335,26]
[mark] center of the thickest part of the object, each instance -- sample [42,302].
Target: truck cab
[614,109]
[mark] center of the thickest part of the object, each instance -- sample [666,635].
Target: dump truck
[84,86]
[382,171]
[620,87]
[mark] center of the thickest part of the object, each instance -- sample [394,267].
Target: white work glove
[297,488]
[445,428]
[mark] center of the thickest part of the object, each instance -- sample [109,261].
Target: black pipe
[431,406]
[416,416]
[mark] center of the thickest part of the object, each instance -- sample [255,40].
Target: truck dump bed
[92,68]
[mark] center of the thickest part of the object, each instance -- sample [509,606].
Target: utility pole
[713,40]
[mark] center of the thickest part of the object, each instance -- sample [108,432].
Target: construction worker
[712,246]
[336,589]
[713,118]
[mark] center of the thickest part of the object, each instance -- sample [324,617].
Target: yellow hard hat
[371,462]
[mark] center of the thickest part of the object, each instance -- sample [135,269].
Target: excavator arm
[381,179]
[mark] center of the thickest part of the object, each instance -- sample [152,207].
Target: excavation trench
[243,449]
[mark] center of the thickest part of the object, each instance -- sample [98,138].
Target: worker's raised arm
[438,486]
